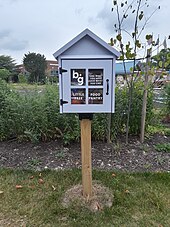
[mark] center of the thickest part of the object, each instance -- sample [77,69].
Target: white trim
[87,57]
[60,87]
[113,85]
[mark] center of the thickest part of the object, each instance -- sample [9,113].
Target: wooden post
[109,121]
[86,157]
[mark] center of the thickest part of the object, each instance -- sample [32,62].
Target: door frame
[95,63]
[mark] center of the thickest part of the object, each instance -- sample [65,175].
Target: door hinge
[63,102]
[62,70]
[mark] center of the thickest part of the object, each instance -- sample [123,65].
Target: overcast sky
[43,26]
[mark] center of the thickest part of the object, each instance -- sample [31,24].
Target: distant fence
[159,99]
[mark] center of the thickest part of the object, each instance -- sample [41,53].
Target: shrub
[4,74]
[35,116]
[120,116]
[22,78]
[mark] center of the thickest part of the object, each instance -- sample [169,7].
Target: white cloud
[44,26]
[13,45]
[4,33]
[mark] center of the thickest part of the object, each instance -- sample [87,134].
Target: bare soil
[101,197]
[134,157]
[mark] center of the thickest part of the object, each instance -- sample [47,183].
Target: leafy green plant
[153,129]
[164,147]
[167,131]
[119,118]
[35,116]
[60,154]
[99,127]
[22,78]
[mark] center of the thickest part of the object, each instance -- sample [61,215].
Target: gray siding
[87,46]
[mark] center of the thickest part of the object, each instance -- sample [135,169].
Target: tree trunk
[145,94]
[130,98]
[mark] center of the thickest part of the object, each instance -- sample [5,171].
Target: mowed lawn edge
[29,198]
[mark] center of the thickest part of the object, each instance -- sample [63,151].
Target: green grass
[147,202]
[161,129]
[25,86]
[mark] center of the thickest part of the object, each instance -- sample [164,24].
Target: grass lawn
[26,88]
[140,199]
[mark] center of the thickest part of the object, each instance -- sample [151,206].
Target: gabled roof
[84,33]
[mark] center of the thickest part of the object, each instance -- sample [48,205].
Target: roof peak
[82,35]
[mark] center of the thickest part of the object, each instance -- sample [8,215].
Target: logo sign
[78,77]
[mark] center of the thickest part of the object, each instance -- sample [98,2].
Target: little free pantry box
[87,75]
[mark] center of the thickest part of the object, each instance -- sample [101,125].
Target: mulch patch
[134,157]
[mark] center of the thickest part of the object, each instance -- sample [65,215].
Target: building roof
[128,65]
[94,37]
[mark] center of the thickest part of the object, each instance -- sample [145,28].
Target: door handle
[107,88]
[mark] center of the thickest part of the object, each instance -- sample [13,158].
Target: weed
[60,154]
[34,163]
[167,131]
[163,147]
[161,129]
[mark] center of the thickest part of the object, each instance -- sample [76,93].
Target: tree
[162,59]
[129,51]
[4,74]
[7,67]
[36,65]
[6,62]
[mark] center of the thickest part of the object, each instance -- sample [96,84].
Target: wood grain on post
[86,157]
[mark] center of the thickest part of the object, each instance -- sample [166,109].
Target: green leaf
[125,16]
[166,64]
[121,57]
[160,64]
[114,2]
[141,16]
[119,37]
[133,34]
[111,42]
[127,47]
[138,44]
[148,37]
